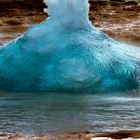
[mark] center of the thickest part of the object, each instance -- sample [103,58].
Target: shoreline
[118,135]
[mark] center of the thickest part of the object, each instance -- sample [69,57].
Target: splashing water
[66,53]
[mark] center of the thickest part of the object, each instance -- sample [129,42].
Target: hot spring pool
[38,113]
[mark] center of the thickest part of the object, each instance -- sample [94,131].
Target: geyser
[66,53]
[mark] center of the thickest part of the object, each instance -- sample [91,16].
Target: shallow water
[35,113]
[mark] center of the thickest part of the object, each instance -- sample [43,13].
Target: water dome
[67,53]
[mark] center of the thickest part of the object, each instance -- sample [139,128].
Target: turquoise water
[35,113]
[67,53]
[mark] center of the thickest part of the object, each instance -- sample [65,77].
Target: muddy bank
[120,20]
[133,134]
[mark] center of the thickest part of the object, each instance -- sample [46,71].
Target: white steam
[68,12]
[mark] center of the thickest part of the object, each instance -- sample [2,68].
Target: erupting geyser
[66,53]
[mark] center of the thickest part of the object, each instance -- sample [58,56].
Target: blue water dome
[66,53]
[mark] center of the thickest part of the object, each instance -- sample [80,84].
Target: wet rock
[121,134]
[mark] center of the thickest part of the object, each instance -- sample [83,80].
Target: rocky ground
[120,20]
[119,135]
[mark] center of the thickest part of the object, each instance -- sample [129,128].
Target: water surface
[35,113]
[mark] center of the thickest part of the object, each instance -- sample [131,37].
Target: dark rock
[13,22]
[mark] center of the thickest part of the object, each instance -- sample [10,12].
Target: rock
[13,22]
[96,24]
[128,7]
[101,138]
